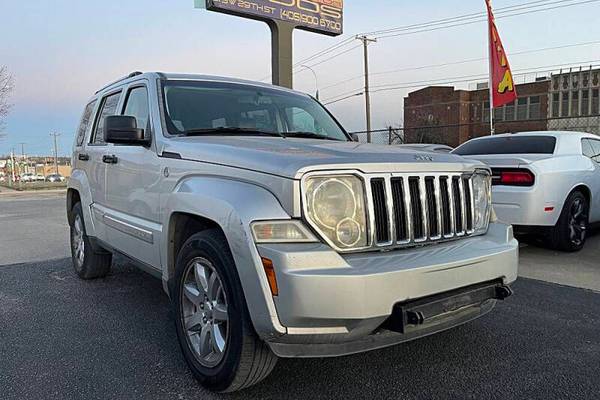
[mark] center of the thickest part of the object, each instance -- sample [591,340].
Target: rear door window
[509,145]
[108,107]
[85,122]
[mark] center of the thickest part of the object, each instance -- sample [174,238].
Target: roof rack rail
[131,75]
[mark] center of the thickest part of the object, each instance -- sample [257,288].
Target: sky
[60,52]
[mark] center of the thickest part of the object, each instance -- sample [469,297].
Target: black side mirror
[355,137]
[122,129]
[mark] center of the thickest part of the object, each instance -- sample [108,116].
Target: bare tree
[6,88]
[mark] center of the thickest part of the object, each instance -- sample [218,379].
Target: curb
[17,193]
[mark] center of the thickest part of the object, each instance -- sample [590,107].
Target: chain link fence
[391,136]
[453,135]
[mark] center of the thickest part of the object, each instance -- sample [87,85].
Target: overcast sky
[61,51]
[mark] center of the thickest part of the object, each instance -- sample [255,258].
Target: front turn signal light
[271,278]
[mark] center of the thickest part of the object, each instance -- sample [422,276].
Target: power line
[471,78]
[336,55]
[467,19]
[500,10]
[349,40]
[429,66]
[465,22]
[459,79]
[511,9]
[344,98]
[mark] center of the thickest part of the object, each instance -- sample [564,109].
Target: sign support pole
[282,55]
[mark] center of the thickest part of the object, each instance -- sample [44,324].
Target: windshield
[192,107]
[508,145]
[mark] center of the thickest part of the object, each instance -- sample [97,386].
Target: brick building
[575,100]
[439,114]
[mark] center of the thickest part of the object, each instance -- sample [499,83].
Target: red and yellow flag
[503,90]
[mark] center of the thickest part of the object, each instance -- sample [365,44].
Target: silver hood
[291,157]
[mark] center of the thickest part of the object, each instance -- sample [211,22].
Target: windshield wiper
[310,135]
[231,131]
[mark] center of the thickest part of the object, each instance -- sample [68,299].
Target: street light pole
[55,135]
[316,79]
[366,41]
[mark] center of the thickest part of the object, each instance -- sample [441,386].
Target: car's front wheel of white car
[570,232]
[213,325]
[88,264]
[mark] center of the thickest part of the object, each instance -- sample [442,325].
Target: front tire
[570,232]
[88,264]
[213,325]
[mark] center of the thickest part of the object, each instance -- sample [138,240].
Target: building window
[499,114]
[486,111]
[510,112]
[535,107]
[522,109]
[564,112]
[595,102]
[575,104]
[555,104]
[585,102]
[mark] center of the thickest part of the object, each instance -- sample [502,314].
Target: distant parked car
[436,148]
[39,177]
[546,180]
[55,178]
[28,177]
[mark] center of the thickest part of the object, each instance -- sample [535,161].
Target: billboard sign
[320,16]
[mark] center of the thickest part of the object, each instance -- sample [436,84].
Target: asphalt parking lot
[114,338]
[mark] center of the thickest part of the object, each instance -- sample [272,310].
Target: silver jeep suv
[274,234]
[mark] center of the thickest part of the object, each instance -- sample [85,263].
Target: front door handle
[110,159]
[83,157]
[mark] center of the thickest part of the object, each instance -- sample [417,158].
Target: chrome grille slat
[419,208]
[424,207]
[438,208]
[463,213]
[399,210]
[390,210]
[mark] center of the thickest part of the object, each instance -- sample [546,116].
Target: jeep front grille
[414,209]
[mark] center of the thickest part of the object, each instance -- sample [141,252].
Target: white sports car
[548,181]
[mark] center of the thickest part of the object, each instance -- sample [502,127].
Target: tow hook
[502,292]
[415,318]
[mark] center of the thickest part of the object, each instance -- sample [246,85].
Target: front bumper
[334,304]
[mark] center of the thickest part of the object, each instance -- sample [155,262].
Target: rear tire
[570,232]
[88,264]
[213,325]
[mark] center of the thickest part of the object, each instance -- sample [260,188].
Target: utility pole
[23,156]
[55,135]
[12,166]
[366,41]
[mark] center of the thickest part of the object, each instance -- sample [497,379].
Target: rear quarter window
[509,145]
[85,122]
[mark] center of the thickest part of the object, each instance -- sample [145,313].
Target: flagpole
[490,67]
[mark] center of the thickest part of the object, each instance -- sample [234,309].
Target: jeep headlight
[335,206]
[482,200]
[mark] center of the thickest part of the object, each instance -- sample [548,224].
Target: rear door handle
[83,157]
[110,159]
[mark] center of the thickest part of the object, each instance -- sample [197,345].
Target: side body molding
[233,205]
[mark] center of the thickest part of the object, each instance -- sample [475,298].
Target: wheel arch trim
[231,206]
